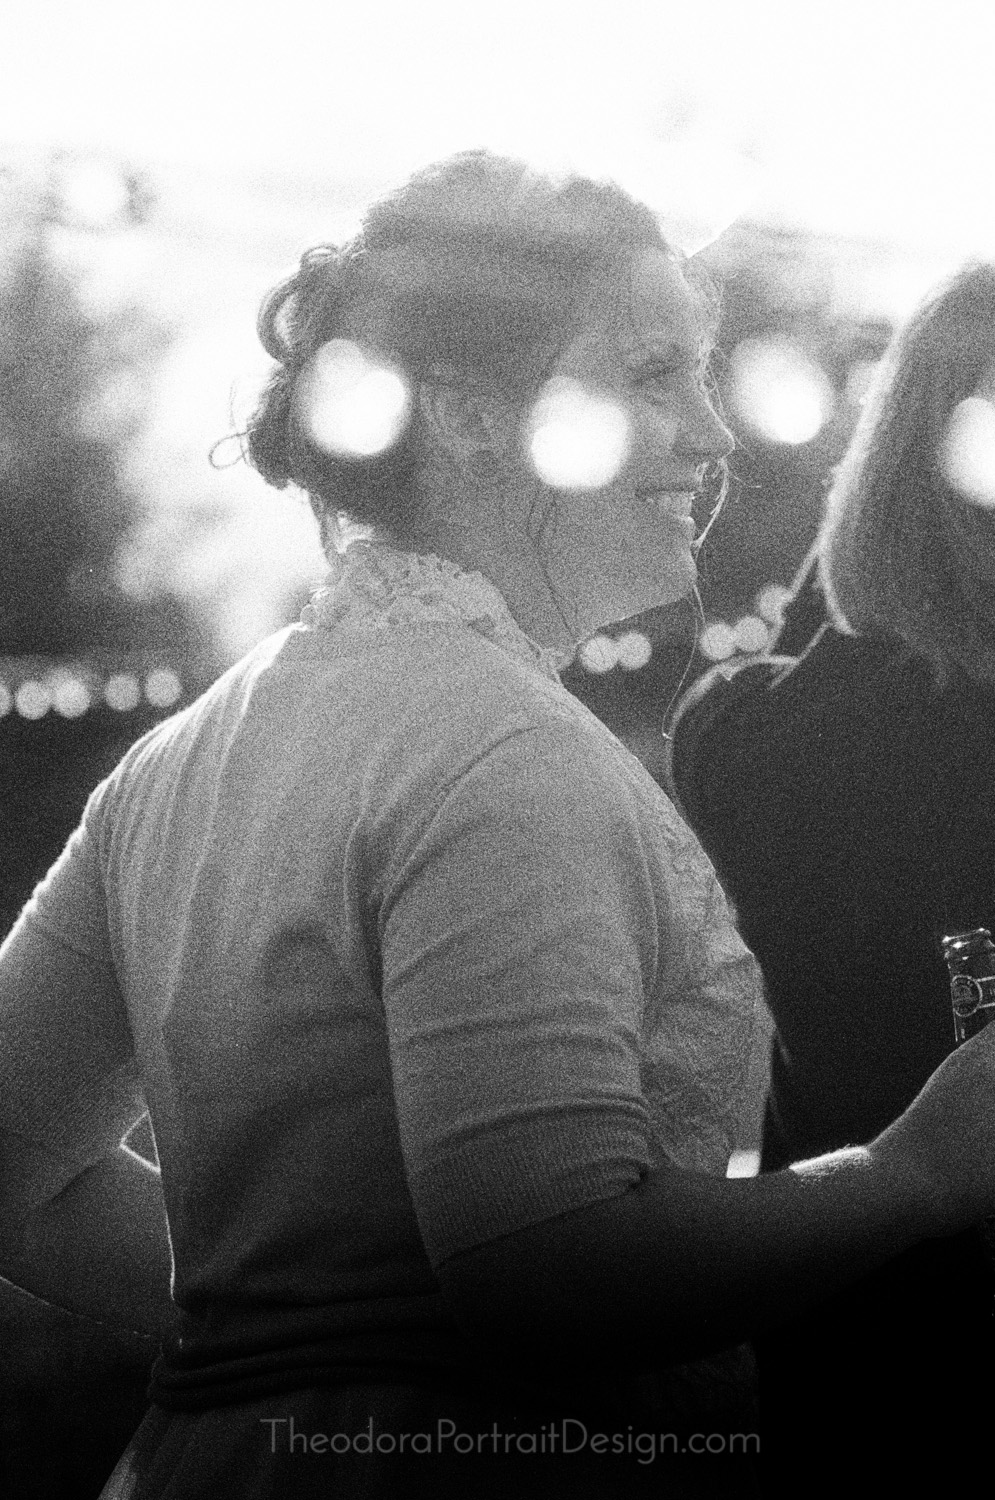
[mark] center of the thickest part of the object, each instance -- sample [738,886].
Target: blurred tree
[74,383]
[71,387]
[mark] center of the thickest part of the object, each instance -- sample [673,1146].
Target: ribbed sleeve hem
[522,1173]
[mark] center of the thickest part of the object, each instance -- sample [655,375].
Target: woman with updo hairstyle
[433,1000]
[843,787]
[476,271]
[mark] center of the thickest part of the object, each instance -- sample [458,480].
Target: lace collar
[382,586]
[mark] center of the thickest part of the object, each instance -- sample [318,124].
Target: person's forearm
[100,1248]
[684,1263]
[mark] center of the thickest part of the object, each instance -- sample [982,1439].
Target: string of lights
[34,687]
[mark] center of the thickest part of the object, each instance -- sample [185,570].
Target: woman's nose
[703,435]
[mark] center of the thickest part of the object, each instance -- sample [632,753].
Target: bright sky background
[864,115]
[859,117]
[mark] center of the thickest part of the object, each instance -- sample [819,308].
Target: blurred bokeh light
[601,652]
[353,403]
[32,699]
[967,451]
[717,641]
[70,694]
[771,601]
[633,650]
[122,692]
[751,634]
[576,437]
[779,390]
[597,654]
[163,687]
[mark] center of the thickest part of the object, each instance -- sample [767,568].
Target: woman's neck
[515,568]
[486,530]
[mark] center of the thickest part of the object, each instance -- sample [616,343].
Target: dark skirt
[392,1443]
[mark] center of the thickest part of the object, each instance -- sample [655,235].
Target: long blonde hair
[901,553]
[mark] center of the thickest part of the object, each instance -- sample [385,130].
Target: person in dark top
[844,787]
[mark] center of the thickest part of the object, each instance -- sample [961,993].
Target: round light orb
[577,438]
[967,451]
[162,687]
[771,602]
[354,404]
[70,695]
[598,654]
[122,692]
[779,390]
[633,650]
[717,641]
[751,634]
[32,700]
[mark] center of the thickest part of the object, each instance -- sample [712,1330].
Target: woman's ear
[467,423]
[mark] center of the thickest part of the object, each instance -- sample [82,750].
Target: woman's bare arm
[685,1263]
[99,1248]
[82,1221]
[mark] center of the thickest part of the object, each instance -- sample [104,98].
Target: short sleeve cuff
[523,1173]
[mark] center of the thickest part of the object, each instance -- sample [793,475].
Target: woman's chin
[675,580]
